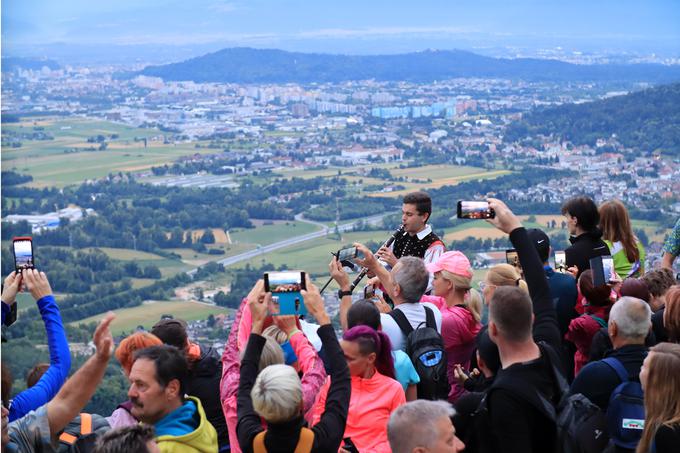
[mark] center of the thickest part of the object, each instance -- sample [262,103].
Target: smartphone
[22,247]
[369,292]
[475,210]
[512,258]
[561,261]
[347,254]
[349,445]
[285,287]
[603,268]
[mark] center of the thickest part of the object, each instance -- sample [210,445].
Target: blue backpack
[626,411]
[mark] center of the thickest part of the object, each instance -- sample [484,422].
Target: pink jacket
[309,362]
[121,418]
[370,406]
[459,330]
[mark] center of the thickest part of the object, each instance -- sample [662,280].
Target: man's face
[446,441]
[150,401]
[5,426]
[412,220]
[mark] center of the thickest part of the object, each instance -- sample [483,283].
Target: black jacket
[597,380]
[583,247]
[283,437]
[204,383]
[518,425]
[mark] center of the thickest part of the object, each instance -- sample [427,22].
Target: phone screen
[286,296]
[23,254]
[512,258]
[347,254]
[608,268]
[560,262]
[474,210]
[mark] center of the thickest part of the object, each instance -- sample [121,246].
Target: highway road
[373,220]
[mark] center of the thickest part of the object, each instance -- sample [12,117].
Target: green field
[49,165]
[268,234]
[127,319]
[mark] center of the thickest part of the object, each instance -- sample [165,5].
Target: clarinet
[387,243]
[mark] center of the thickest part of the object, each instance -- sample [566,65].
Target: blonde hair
[277,394]
[662,392]
[463,285]
[272,354]
[277,334]
[506,275]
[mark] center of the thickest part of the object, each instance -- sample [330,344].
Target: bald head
[511,311]
[632,318]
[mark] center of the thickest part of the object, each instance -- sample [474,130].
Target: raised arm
[342,279]
[9,298]
[60,356]
[545,321]
[372,264]
[78,390]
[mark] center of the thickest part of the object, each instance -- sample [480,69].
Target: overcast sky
[351,26]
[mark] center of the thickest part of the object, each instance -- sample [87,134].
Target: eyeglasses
[484,284]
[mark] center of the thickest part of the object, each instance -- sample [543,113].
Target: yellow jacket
[201,440]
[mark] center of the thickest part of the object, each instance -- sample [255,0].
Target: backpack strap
[618,368]
[304,445]
[258,443]
[599,320]
[85,429]
[401,320]
[429,318]
[306,441]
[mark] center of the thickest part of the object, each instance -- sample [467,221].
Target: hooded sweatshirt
[371,403]
[186,429]
[582,330]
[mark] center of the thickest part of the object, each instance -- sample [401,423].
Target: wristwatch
[342,293]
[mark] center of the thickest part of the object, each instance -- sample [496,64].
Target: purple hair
[370,340]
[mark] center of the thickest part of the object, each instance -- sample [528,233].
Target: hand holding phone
[285,288]
[560,262]
[22,248]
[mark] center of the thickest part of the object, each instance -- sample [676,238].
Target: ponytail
[370,340]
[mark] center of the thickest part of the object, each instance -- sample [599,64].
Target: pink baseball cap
[454,262]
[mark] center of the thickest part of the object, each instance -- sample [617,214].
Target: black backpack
[80,435]
[425,347]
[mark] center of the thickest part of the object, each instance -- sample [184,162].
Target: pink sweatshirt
[372,402]
[309,363]
[459,330]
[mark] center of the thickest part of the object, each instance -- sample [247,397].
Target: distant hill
[647,120]
[12,63]
[246,65]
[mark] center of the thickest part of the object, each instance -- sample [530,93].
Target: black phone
[603,269]
[475,210]
[285,287]
[369,292]
[347,254]
[512,258]
[349,445]
[22,248]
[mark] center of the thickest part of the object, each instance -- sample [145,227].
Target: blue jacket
[564,293]
[60,363]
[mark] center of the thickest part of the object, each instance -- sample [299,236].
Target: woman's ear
[372,357]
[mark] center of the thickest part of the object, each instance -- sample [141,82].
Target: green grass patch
[268,234]
[147,314]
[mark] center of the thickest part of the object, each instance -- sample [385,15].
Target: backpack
[80,435]
[425,347]
[304,445]
[626,411]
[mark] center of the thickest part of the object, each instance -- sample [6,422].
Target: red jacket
[582,330]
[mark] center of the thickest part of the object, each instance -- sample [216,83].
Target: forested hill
[645,121]
[246,65]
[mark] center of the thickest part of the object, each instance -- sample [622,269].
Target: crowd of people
[534,360]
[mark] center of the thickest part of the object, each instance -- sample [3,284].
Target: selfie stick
[364,270]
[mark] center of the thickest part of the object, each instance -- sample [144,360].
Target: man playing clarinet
[418,239]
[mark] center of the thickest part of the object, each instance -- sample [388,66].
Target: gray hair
[412,277]
[632,316]
[277,394]
[272,354]
[414,424]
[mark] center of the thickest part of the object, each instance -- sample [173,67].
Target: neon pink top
[459,330]
[370,406]
[309,363]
